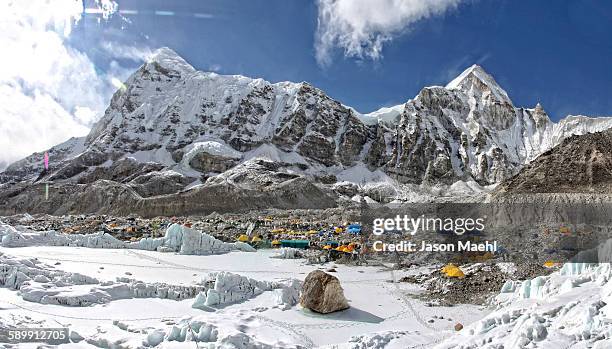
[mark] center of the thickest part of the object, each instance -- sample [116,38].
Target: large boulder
[322,293]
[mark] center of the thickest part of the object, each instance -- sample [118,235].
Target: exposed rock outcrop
[580,164]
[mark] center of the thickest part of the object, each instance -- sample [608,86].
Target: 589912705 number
[35,335]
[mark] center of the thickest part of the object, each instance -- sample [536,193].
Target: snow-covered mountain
[470,129]
[168,109]
[171,128]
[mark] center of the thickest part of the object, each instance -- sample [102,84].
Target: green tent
[295,243]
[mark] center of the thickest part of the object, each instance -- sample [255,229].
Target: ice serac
[230,288]
[178,238]
[568,308]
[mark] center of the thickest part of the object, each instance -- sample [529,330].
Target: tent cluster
[350,229]
[257,241]
[283,237]
[349,248]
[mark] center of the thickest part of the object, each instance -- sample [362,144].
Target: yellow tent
[344,248]
[452,270]
[448,267]
[243,238]
[276,242]
[549,264]
[338,230]
[327,247]
[255,239]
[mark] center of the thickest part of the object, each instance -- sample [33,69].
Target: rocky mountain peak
[475,81]
[538,107]
[169,59]
[540,116]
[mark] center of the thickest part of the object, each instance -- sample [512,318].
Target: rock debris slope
[176,140]
[581,164]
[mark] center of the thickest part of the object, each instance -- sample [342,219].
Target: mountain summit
[184,134]
[476,79]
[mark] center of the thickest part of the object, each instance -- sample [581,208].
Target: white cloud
[127,52]
[362,27]
[49,91]
[32,122]
[214,68]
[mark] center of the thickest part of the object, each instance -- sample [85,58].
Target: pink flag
[46,161]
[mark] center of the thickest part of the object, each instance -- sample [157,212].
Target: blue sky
[556,52]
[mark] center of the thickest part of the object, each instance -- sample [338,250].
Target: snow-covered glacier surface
[41,283]
[133,295]
[126,297]
[566,309]
[119,311]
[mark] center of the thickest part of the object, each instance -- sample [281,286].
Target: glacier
[569,307]
[178,238]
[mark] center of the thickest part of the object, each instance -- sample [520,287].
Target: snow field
[249,299]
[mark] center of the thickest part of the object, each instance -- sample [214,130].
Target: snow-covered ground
[263,313]
[125,296]
[568,309]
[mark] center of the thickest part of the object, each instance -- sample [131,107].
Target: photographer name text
[424,246]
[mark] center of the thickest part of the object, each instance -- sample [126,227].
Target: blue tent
[354,229]
[332,243]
